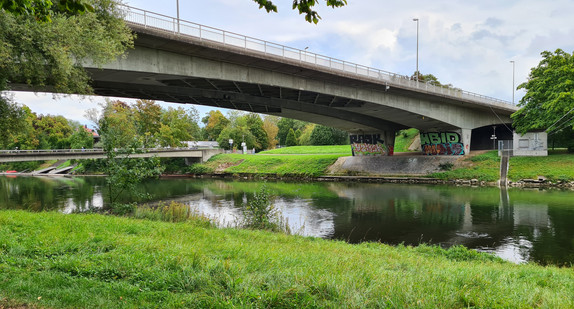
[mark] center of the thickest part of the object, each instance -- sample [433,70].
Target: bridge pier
[373,144]
[448,142]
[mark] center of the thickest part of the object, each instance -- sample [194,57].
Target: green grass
[51,260]
[556,166]
[335,149]
[484,167]
[281,165]
[405,139]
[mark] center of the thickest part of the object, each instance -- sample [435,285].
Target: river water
[518,225]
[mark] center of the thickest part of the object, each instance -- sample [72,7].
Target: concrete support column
[373,144]
[465,135]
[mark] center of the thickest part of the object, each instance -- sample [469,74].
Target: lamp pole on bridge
[512,61]
[177,3]
[417,70]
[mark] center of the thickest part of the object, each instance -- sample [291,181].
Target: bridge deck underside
[341,111]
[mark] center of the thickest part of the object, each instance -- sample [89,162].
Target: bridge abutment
[373,144]
[448,142]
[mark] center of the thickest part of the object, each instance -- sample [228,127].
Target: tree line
[145,124]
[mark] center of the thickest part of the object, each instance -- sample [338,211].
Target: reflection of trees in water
[535,224]
[46,193]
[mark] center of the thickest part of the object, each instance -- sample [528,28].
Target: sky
[469,44]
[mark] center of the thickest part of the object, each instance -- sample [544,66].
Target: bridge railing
[187,28]
[50,151]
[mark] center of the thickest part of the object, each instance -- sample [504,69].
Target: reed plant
[170,212]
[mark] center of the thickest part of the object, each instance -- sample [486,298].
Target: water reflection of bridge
[412,215]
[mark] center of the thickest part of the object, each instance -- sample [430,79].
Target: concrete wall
[530,144]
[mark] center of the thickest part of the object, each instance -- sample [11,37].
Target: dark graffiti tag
[441,143]
[370,145]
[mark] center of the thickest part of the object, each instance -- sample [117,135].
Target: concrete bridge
[183,62]
[198,155]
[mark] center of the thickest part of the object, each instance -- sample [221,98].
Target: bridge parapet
[202,154]
[184,28]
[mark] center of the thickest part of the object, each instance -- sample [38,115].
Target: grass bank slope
[313,165]
[557,166]
[92,261]
[333,149]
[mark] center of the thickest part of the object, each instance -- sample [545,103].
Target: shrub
[198,168]
[172,212]
[447,166]
[261,214]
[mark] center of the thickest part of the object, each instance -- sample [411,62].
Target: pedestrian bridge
[183,62]
[200,155]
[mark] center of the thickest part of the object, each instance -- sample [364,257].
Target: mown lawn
[281,165]
[556,166]
[484,167]
[333,149]
[52,260]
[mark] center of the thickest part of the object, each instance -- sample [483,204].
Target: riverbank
[88,261]
[333,163]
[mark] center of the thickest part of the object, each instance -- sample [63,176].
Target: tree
[549,99]
[81,138]
[53,132]
[12,121]
[238,131]
[26,136]
[271,130]
[216,122]
[284,124]
[323,135]
[291,140]
[178,125]
[42,54]
[304,7]
[305,138]
[147,117]
[255,125]
[42,10]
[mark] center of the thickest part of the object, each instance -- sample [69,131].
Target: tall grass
[51,260]
[172,212]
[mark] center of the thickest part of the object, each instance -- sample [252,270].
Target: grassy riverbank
[89,261]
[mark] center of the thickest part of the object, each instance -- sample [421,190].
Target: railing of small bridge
[187,28]
[66,151]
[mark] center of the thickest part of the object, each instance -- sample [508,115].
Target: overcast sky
[468,44]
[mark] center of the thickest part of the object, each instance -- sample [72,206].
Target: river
[518,225]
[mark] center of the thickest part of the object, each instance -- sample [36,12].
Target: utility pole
[513,89]
[177,3]
[417,71]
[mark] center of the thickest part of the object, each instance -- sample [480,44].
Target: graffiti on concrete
[370,145]
[441,143]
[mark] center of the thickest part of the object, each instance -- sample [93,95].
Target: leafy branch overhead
[43,10]
[304,7]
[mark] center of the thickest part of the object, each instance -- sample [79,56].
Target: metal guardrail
[191,29]
[67,151]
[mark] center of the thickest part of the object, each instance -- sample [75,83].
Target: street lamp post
[512,61]
[417,71]
[177,3]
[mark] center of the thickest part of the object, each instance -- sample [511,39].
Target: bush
[172,212]
[261,214]
[198,168]
[447,166]
[121,209]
